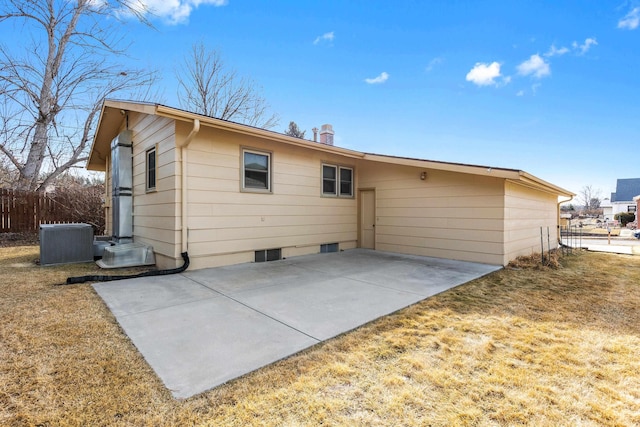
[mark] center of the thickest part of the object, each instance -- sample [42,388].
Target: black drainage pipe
[83,279]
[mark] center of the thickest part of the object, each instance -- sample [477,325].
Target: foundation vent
[329,247]
[268,255]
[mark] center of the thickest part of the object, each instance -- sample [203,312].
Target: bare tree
[52,85]
[207,87]
[6,176]
[590,199]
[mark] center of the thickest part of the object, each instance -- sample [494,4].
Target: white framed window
[151,169]
[337,181]
[346,182]
[256,170]
[329,180]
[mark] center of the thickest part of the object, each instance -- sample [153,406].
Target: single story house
[623,198]
[229,193]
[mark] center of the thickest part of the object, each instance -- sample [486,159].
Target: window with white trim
[256,167]
[346,182]
[329,178]
[337,181]
[151,168]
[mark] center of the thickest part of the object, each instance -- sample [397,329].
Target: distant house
[623,198]
[229,193]
[565,219]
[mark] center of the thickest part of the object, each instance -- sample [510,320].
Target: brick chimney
[326,135]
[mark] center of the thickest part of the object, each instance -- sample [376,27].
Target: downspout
[184,193]
[558,210]
[185,256]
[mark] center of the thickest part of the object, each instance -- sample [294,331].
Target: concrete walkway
[616,245]
[203,328]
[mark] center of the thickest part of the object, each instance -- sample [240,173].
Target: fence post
[4,209]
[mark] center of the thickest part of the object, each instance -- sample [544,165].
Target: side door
[367,219]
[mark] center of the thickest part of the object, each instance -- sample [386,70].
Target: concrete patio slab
[420,278]
[126,297]
[327,308]
[195,346]
[237,278]
[202,328]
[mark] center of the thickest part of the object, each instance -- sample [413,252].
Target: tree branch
[206,87]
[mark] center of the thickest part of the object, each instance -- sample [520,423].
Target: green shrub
[625,217]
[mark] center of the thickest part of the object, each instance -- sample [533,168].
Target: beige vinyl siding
[227,225]
[526,211]
[459,211]
[448,215]
[156,213]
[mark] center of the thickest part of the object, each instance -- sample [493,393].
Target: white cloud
[556,51]
[580,49]
[631,20]
[173,11]
[584,48]
[534,87]
[484,74]
[325,37]
[535,66]
[433,63]
[520,93]
[383,77]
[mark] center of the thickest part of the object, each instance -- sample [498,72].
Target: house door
[367,219]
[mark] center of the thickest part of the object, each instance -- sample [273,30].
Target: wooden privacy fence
[24,211]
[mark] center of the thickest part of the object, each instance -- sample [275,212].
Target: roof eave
[513,175]
[97,157]
[113,115]
[445,166]
[215,123]
[540,184]
[111,119]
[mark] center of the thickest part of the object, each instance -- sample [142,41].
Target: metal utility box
[122,187]
[65,243]
[127,255]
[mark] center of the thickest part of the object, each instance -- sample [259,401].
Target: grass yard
[534,346]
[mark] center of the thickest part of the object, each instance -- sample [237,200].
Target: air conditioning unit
[65,243]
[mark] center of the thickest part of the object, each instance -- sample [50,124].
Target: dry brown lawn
[534,346]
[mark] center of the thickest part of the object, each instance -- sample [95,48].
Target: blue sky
[549,87]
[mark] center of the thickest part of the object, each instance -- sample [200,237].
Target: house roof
[112,116]
[626,190]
